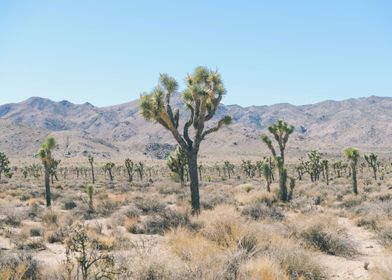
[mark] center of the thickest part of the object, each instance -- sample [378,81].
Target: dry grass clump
[370,222]
[351,201]
[161,222]
[324,234]
[150,205]
[229,247]
[264,268]
[210,199]
[13,216]
[224,226]
[261,211]
[50,218]
[385,235]
[253,196]
[382,272]
[104,208]
[21,266]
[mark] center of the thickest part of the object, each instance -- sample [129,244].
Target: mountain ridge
[112,131]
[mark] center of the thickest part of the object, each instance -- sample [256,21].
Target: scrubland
[145,230]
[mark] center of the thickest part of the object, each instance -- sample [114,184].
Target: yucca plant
[139,168]
[45,153]
[281,132]
[90,193]
[352,154]
[325,170]
[202,96]
[91,161]
[108,167]
[372,162]
[4,166]
[130,166]
[177,163]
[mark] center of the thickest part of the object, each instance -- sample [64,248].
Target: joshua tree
[337,168]
[177,163]
[218,168]
[47,159]
[314,165]
[53,170]
[90,193]
[372,161]
[292,186]
[4,166]
[201,169]
[139,168]
[108,167]
[249,168]
[202,96]
[228,168]
[129,165]
[266,170]
[325,169]
[300,170]
[91,161]
[352,154]
[281,132]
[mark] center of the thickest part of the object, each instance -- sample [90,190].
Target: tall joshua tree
[45,153]
[202,96]
[91,161]
[372,161]
[281,132]
[352,154]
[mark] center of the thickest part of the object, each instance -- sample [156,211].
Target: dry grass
[243,231]
[323,233]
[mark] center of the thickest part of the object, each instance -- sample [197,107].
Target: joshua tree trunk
[110,175]
[92,172]
[282,184]
[194,176]
[354,177]
[374,172]
[47,189]
[268,185]
[130,177]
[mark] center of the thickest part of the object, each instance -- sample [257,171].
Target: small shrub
[35,232]
[261,211]
[367,222]
[50,218]
[68,205]
[162,222]
[56,236]
[324,234]
[351,201]
[385,236]
[18,267]
[150,205]
[106,208]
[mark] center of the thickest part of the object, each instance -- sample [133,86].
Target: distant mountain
[120,131]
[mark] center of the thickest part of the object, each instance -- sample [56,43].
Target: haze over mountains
[120,131]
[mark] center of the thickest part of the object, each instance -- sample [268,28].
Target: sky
[109,52]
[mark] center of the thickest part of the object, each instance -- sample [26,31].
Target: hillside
[120,131]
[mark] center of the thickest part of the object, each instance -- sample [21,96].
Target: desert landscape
[195,140]
[136,220]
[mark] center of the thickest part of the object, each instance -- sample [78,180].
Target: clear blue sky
[108,52]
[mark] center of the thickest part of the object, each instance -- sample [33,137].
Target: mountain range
[120,131]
